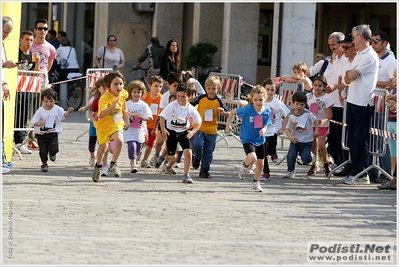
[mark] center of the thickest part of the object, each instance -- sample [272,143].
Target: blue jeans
[203,146]
[303,149]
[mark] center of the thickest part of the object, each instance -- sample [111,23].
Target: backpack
[322,70]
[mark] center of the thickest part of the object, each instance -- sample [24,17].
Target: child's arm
[164,132]
[282,129]
[85,108]
[229,118]
[67,113]
[316,128]
[125,116]
[290,136]
[289,79]
[191,132]
[328,117]
[307,84]
[106,111]
[263,131]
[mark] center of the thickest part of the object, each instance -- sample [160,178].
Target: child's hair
[300,66]
[299,97]
[136,84]
[49,93]
[155,78]
[174,77]
[172,97]
[94,91]
[213,80]
[257,89]
[320,78]
[269,81]
[183,87]
[112,75]
[192,89]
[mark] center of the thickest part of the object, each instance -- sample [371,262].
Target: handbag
[64,62]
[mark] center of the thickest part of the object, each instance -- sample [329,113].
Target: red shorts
[150,139]
[323,131]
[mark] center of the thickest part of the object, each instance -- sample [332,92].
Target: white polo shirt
[387,65]
[361,90]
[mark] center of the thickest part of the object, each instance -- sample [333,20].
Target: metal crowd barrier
[377,143]
[285,92]
[230,93]
[91,77]
[27,101]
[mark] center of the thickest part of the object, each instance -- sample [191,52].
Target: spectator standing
[170,60]
[7,27]
[30,63]
[61,35]
[362,80]
[46,51]
[52,38]
[66,59]
[110,56]
[154,52]
[387,66]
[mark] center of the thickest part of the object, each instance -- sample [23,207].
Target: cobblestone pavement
[151,218]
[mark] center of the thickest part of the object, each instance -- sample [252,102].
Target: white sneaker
[105,170]
[243,171]
[290,175]
[92,161]
[25,150]
[153,160]
[256,187]
[362,180]
[348,180]
[251,169]
[5,170]
[145,164]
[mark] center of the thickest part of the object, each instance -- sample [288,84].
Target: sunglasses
[375,40]
[112,40]
[42,28]
[346,47]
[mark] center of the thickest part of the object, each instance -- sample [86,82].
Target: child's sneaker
[274,158]
[170,170]
[251,169]
[153,160]
[145,164]
[53,158]
[290,174]
[243,171]
[265,176]
[134,169]
[105,170]
[159,161]
[187,179]
[92,160]
[312,171]
[44,167]
[256,186]
[96,174]
[115,169]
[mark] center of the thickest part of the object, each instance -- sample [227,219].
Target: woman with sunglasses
[110,56]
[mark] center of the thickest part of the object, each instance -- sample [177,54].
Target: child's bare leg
[100,153]
[118,140]
[187,160]
[250,159]
[323,149]
[171,160]
[258,170]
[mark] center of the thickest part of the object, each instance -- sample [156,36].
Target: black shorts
[259,150]
[174,138]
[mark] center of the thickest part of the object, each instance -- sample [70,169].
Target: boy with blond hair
[153,99]
[209,106]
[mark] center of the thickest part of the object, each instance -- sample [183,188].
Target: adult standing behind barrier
[154,51]
[30,61]
[110,56]
[387,65]
[362,80]
[66,59]
[46,51]
[8,25]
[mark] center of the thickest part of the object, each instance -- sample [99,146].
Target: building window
[265,37]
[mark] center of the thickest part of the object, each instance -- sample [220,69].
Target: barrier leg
[63,95]
[77,138]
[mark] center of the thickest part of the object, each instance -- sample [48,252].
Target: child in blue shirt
[255,119]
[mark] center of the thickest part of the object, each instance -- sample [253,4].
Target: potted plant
[200,56]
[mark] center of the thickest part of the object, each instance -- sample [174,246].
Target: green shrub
[200,56]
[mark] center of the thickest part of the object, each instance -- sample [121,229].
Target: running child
[136,130]
[111,116]
[300,131]
[256,118]
[47,126]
